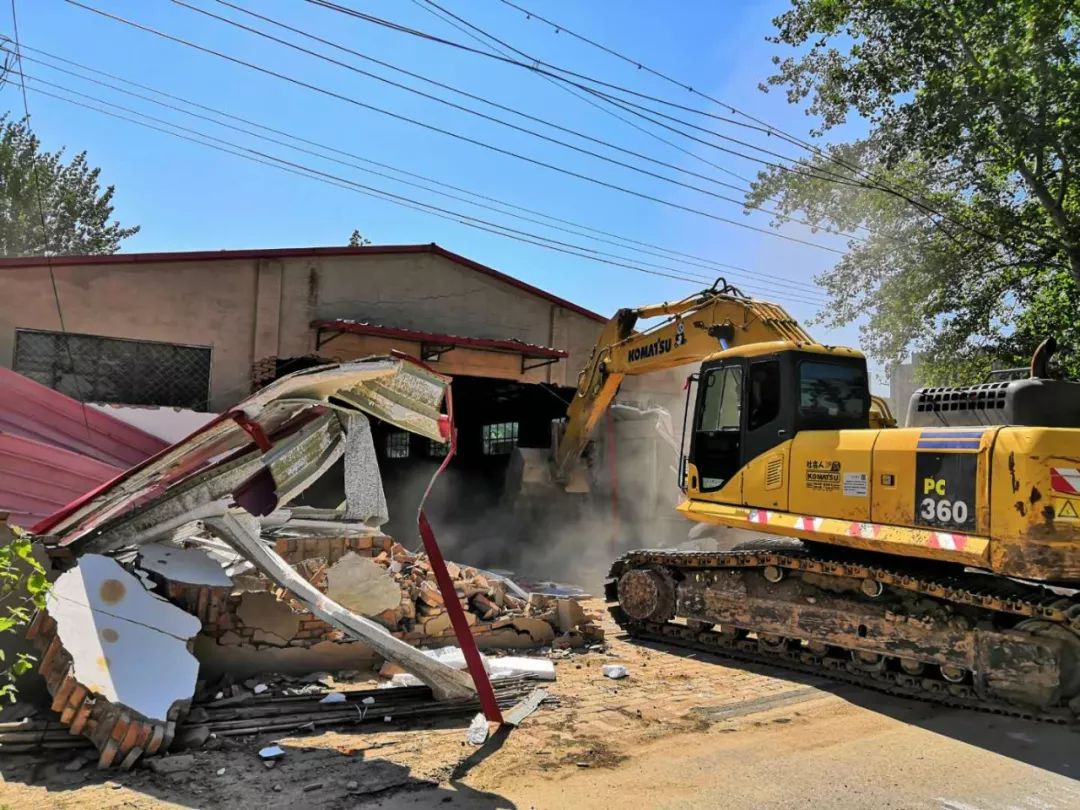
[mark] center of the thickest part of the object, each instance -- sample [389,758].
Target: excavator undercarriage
[954,637]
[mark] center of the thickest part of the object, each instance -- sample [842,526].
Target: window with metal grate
[92,368]
[500,439]
[397,444]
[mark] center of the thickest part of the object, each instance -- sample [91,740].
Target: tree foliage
[963,194]
[75,210]
[357,239]
[23,587]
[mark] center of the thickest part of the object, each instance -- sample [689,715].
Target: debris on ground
[478,730]
[614,671]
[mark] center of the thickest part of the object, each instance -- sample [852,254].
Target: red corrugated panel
[37,479]
[35,411]
[491,344]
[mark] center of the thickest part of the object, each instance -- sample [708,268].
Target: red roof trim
[288,253]
[490,344]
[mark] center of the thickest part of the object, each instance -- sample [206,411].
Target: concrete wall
[202,304]
[245,310]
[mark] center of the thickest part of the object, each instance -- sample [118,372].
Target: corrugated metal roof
[35,411]
[298,252]
[490,344]
[37,479]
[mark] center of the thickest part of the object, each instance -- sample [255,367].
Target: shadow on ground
[231,775]
[1052,747]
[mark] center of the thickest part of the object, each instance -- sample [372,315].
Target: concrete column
[267,309]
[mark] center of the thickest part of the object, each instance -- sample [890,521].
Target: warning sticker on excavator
[1065,509]
[823,476]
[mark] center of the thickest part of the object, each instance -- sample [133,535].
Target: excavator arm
[718,318]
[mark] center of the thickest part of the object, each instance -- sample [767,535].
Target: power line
[632,167]
[579,94]
[455,135]
[467,94]
[911,196]
[307,171]
[561,73]
[45,228]
[800,288]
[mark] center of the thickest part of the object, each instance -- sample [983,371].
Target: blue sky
[189,197]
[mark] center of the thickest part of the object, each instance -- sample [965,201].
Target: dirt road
[679,732]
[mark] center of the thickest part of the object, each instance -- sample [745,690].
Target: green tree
[23,587]
[964,192]
[357,239]
[76,211]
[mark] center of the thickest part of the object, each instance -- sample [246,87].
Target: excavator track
[831,614]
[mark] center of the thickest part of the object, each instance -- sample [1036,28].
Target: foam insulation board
[364,496]
[117,634]
[192,566]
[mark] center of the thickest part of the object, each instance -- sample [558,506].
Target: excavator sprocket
[954,637]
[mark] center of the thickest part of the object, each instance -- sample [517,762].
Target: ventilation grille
[985,397]
[774,472]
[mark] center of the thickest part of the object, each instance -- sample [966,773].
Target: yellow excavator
[940,560]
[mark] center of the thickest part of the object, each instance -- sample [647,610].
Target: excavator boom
[693,328]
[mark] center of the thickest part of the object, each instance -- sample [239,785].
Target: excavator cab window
[833,395]
[747,406]
[715,446]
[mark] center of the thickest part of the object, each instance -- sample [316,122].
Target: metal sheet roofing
[35,411]
[511,345]
[37,479]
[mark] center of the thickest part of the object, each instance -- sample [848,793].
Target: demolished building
[199,558]
[202,329]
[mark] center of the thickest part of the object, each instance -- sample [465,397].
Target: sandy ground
[684,730]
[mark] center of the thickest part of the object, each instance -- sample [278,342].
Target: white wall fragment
[125,644]
[192,566]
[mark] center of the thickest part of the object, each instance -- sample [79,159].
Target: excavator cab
[750,400]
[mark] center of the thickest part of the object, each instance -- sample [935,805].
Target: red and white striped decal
[809,524]
[947,541]
[1065,479]
[867,531]
[758,516]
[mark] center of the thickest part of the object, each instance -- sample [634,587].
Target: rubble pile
[378,578]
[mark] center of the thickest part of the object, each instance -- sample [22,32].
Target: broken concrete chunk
[513,666]
[192,737]
[260,609]
[191,566]
[362,585]
[570,614]
[174,764]
[478,730]
[400,679]
[539,631]
[261,636]
[111,627]
[615,671]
